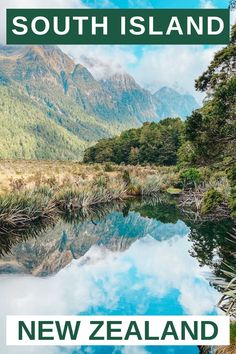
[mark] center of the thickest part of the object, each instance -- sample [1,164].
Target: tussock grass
[30,190]
[152,185]
[77,198]
[20,209]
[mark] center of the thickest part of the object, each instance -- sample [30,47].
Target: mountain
[131,99]
[52,108]
[170,103]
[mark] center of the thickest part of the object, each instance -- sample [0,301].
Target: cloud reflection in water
[151,277]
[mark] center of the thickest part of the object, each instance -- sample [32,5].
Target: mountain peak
[81,72]
[171,103]
[48,98]
[121,81]
[52,57]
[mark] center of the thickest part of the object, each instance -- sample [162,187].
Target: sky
[151,66]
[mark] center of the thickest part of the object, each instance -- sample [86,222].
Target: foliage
[191,177]
[232,175]
[155,143]
[211,199]
[228,300]
[221,69]
[186,155]
[208,137]
[232,198]
[232,202]
[233,332]
[212,129]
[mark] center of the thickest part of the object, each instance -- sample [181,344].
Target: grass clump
[152,185]
[23,208]
[93,194]
[126,177]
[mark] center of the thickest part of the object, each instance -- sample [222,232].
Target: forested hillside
[156,143]
[52,108]
[208,137]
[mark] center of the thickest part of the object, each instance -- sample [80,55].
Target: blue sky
[154,3]
[152,66]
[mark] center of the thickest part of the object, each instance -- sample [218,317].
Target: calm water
[141,258]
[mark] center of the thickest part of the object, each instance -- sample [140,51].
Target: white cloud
[207,4]
[156,66]
[168,65]
[102,60]
[8,4]
[147,271]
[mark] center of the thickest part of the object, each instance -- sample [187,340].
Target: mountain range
[52,108]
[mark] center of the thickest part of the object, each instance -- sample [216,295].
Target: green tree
[212,129]
[154,143]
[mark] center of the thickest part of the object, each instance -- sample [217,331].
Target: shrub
[186,155]
[191,177]
[211,199]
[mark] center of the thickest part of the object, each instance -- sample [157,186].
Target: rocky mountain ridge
[47,99]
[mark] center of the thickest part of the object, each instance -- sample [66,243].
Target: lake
[140,257]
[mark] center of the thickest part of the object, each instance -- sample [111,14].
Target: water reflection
[130,259]
[116,227]
[150,277]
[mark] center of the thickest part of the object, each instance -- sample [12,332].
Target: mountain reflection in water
[136,258]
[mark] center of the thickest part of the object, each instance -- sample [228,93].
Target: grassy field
[34,190]
[25,175]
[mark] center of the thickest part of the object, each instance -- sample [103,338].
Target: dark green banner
[118,26]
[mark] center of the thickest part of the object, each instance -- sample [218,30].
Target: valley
[52,108]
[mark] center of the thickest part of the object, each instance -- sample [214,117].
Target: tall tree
[212,129]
